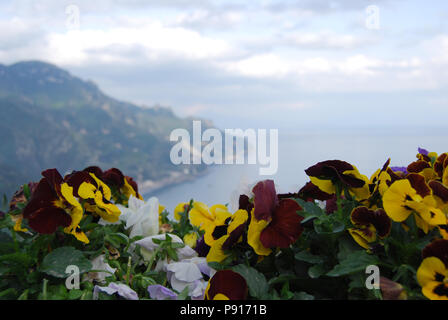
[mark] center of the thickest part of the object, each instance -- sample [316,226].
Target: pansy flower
[368,224]
[412,195]
[227,236]
[96,193]
[432,275]
[116,180]
[274,223]
[327,175]
[226,285]
[213,220]
[53,205]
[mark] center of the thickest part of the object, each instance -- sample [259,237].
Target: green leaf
[303,296]
[308,257]
[184,294]
[26,191]
[256,281]
[316,271]
[354,262]
[75,294]
[56,262]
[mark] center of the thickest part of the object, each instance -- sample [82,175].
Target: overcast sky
[279,64]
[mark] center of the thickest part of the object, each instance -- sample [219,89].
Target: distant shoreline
[148,186]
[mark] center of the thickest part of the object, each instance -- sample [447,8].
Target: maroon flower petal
[228,283]
[438,249]
[54,178]
[95,170]
[113,177]
[418,182]
[245,204]
[439,189]
[440,164]
[285,227]
[382,223]
[363,216]
[418,166]
[333,169]
[234,236]
[311,192]
[265,199]
[44,195]
[47,220]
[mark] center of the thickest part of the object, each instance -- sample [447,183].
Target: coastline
[176,178]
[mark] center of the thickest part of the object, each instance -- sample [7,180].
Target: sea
[366,148]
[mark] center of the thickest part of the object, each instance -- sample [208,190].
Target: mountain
[52,119]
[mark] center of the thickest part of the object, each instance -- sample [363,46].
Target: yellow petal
[324,185]
[428,269]
[253,235]
[216,253]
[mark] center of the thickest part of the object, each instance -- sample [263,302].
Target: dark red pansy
[418,166]
[113,177]
[228,283]
[311,192]
[439,189]
[334,170]
[284,228]
[363,216]
[418,182]
[438,249]
[47,220]
[42,214]
[265,199]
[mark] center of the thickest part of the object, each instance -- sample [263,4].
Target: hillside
[50,118]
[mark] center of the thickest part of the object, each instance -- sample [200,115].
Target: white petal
[185,271]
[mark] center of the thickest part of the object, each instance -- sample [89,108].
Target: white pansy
[189,273]
[141,217]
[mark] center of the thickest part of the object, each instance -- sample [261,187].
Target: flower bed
[90,235]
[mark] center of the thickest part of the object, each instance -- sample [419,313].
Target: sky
[252,64]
